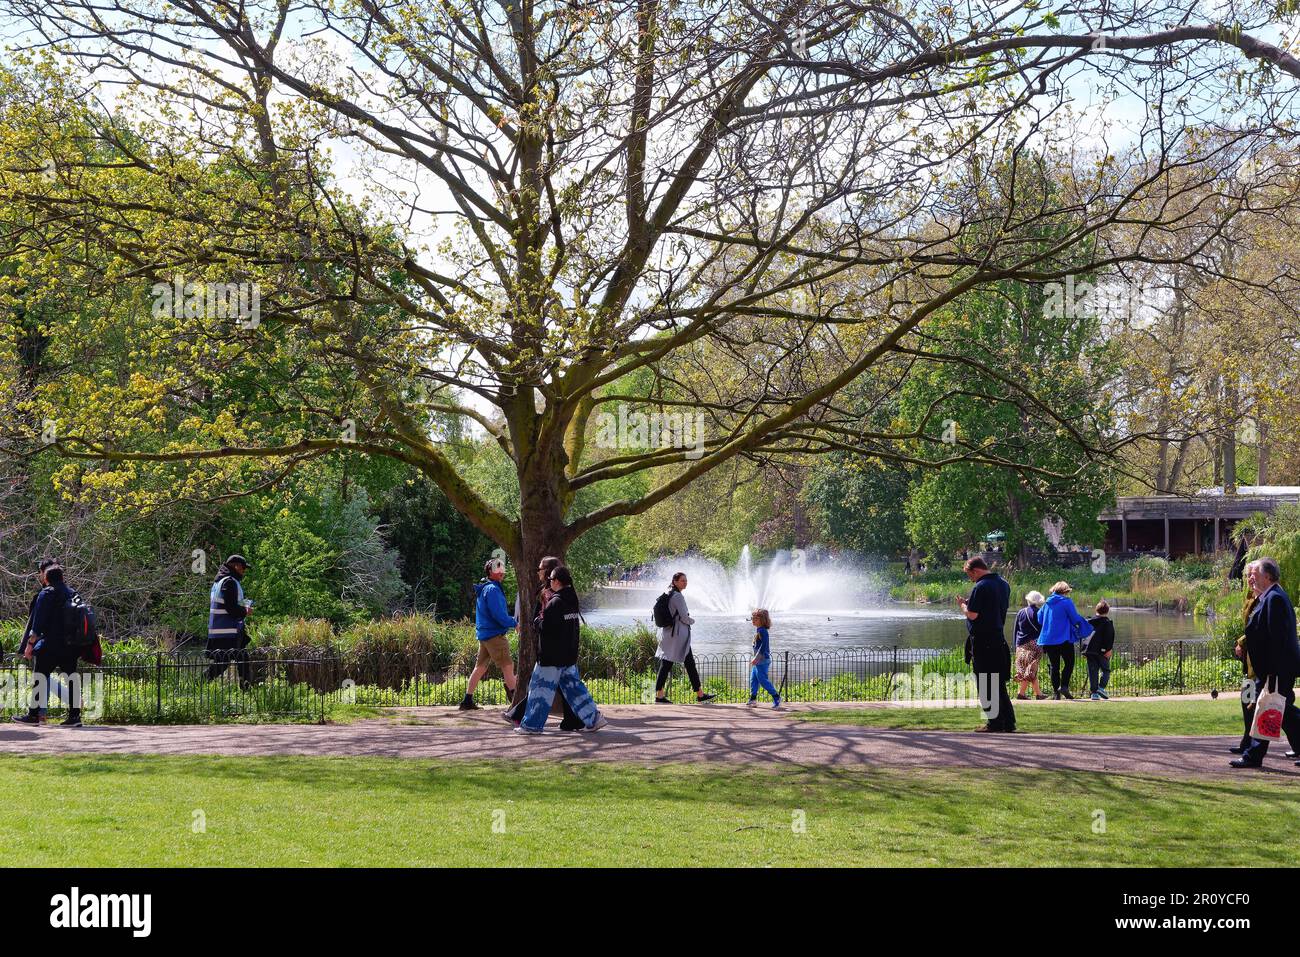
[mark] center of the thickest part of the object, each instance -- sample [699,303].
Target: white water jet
[787,582]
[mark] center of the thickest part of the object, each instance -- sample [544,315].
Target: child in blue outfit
[762,660]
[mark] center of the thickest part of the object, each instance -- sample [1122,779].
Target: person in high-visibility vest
[227,612]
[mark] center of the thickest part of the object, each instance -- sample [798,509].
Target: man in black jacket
[1274,652]
[986,646]
[41,567]
[46,643]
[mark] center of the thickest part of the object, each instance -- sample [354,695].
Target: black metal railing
[256,684]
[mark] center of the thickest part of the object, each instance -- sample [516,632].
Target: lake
[904,625]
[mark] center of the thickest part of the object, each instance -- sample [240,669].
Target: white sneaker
[751,703]
[601,722]
[776,705]
[523,730]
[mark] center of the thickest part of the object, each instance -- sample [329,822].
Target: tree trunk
[1261,451]
[1230,441]
[541,533]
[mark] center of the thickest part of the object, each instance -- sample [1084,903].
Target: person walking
[557,661]
[675,644]
[515,714]
[1097,651]
[228,612]
[1028,654]
[41,566]
[1062,626]
[986,647]
[1247,672]
[762,660]
[52,651]
[492,623]
[1274,653]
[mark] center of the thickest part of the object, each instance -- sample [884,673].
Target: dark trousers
[221,659]
[1247,718]
[991,662]
[666,669]
[52,661]
[1290,720]
[1062,660]
[1098,673]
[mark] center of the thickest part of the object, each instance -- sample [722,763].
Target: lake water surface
[904,625]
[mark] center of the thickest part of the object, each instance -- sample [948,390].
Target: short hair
[54,575]
[1035,598]
[1061,588]
[764,619]
[1270,568]
[561,574]
[491,565]
[974,563]
[1103,608]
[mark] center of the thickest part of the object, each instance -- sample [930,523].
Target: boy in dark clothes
[1098,651]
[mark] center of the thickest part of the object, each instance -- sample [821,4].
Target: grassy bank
[238,812]
[1077,717]
[1186,585]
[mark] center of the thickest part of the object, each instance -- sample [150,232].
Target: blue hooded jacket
[1057,619]
[491,616]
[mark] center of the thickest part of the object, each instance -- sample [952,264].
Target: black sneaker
[1067,695]
[28,719]
[705,697]
[70,723]
[1240,763]
[468,705]
[663,700]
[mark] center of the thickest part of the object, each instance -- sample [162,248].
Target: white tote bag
[1267,725]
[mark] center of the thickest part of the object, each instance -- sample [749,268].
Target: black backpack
[662,614]
[78,622]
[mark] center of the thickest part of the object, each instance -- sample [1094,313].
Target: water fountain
[819,603]
[787,582]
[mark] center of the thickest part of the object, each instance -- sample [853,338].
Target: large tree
[507,211]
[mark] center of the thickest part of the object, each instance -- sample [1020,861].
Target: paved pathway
[648,734]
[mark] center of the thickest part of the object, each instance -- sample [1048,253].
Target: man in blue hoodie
[492,623]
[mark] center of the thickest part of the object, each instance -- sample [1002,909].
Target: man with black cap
[227,610]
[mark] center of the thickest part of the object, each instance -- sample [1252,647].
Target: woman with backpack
[674,621]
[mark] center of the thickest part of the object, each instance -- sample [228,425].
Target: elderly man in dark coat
[1274,653]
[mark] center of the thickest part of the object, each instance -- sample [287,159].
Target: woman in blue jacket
[1062,626]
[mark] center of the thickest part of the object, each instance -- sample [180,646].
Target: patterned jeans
[545,682]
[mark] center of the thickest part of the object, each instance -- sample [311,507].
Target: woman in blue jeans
[557,662]
[762,660]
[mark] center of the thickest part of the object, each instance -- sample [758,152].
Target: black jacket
[560,621]
[1102,638]
[1271,637]
[47,623]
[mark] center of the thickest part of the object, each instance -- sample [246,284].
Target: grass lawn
[129,810]
[1066,717]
